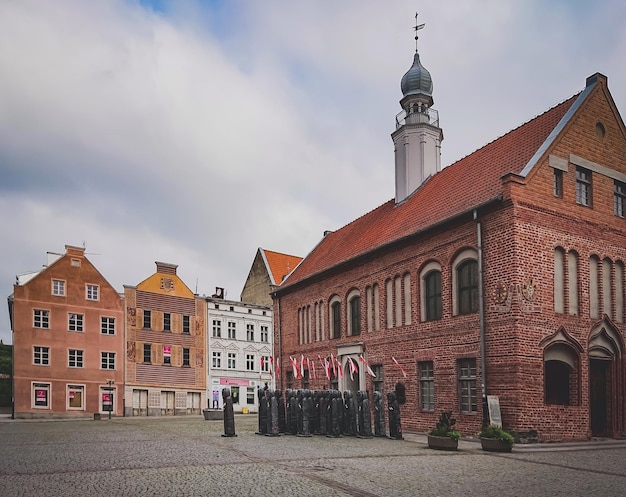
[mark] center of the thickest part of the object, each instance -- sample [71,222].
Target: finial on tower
[416,28]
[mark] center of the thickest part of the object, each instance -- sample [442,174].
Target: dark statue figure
[379,415]
[288,394]
[393,408]
[323,408]
[365,417]
[272,413]
[282,422]
[229,415]
[336,407]
[292,429]
[299,400]
[349,414]
[307,410]
[262,412]
[315,413]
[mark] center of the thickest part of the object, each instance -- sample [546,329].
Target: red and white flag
[301,366]
[332,362]
[353,368]
[262,362]
[367,366]
[340,370]
[294,365]
[327,368]
[277,365]
[313,372]
[403,371]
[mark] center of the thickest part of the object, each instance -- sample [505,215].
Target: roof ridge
[537,116]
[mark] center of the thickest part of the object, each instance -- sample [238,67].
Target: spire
[417,80]
[417,138]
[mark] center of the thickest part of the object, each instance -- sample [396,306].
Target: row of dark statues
[326,412]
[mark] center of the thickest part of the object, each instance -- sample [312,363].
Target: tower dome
[417,80]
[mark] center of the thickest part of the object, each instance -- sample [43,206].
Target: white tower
[417,138]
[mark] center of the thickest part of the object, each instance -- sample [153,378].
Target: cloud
[193,133]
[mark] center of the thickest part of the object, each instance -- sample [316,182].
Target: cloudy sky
[195,132]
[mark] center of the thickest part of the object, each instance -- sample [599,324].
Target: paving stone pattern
[187,456]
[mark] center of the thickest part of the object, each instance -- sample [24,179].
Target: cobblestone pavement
[187,456]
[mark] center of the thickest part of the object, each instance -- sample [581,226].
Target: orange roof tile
[458,188]
[280,265]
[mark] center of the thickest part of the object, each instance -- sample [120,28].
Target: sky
[195,132]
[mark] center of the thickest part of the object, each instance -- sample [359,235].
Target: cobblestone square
[187,456]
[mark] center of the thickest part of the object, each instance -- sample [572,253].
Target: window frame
[232,330]
[430,300]
[41,355]
[426,373]
[619,198]
[354,313]
[186,357]
[58,287]
[216,330]
[557,184]
[92,292]
[250,360]
[107,360]
[231,360]
[107,325]
[334,316]
[147,319]
[467,286]
[186,324]
[75,388]
[147,353]
[167,321]
[75,358]
[265,333]
[41,319]
[38,385]
[467,384]
[75,322]
[584,187]
[250,332]
[216,359]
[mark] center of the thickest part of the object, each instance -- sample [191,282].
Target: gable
[165,284]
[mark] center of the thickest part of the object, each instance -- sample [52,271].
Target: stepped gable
[458,188]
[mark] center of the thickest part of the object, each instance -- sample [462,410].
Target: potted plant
[443,436]
[495,439]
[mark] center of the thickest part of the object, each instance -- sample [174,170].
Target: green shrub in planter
[445,427]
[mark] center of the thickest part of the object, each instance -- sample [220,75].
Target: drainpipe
[481,317]
[280,341]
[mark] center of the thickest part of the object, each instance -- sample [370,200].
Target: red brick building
[68,340]
[501,274]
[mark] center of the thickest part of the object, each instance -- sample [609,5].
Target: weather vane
[416,29]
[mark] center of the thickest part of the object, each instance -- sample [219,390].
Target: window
[41,355]
[265,336]
[250,332]
[217,360]
[107,360]
[75,396]
[432,297]
[147,353]
[335,319]
[217,328]
[232,360]
[427,386]
[167,321]
[107,326]
[58,288]
[354,314]
[558,183]
[75,262]
[468,287]
[41,319]
[93,292]
[377,383]
[467,385]
[75,359]
[167,354]
[234,394]
[619,195]
[147,320]
[249,362]
[186,361]
[232,330]
[75,322]
[41,395]
[250,396]
[186,327]
[265,364]
[583,186]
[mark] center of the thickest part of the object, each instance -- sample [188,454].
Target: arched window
[406,281]
[467,278]
[572,276]
[560,375]
[561,371]
[335,317]
[465,282]
[389,298]
[559,280]
[432,295]
[354,313]
[594,296]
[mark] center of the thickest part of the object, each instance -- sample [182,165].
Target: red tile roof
[458,188]
[280,265]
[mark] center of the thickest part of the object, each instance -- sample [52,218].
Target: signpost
[107,398]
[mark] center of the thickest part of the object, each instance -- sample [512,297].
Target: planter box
[442,443]
[212,414]
[495,445]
